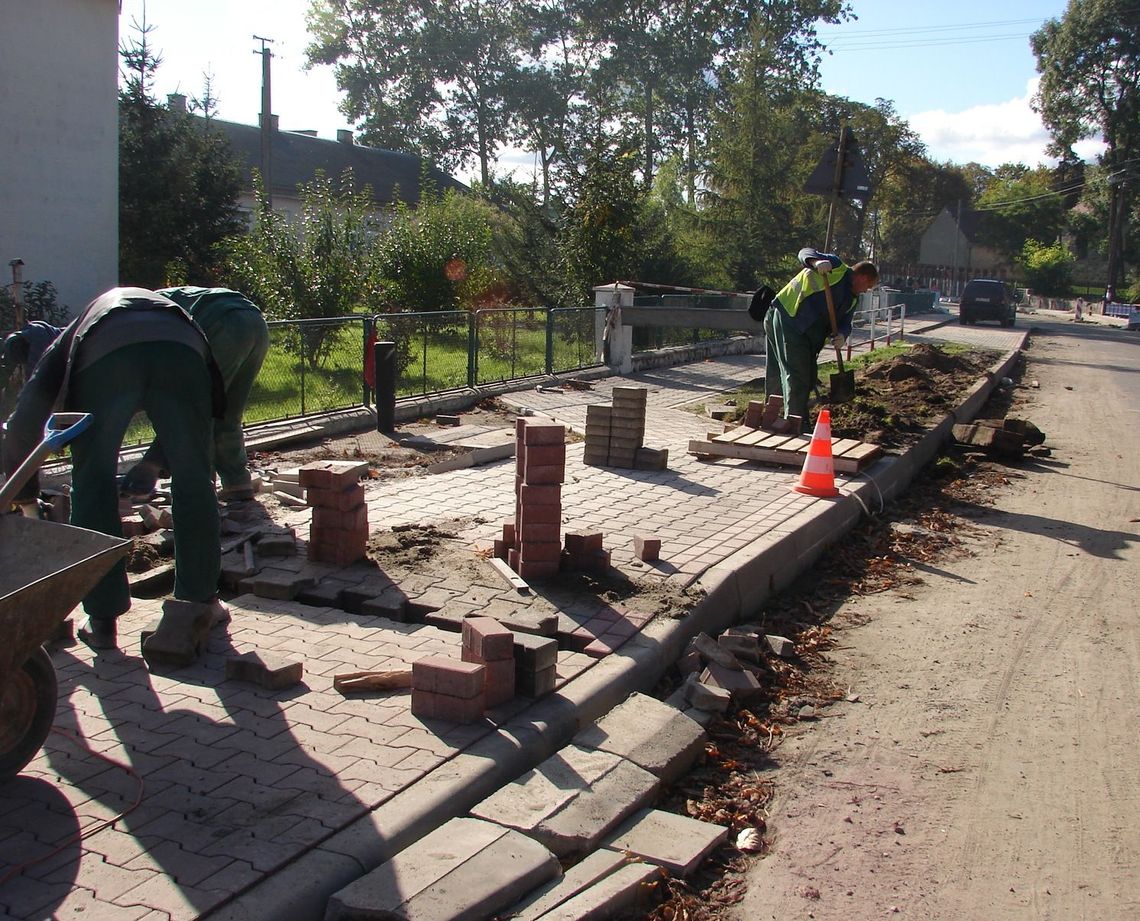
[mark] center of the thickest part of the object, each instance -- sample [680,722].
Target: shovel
[842,382]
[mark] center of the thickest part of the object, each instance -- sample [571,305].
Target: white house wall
[59,144]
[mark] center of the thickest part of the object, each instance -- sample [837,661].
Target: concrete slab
[571,800]
[590,870]
[632,886]
[672,841]
[466,869]
[650,733]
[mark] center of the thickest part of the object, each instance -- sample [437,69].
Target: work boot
[99,634]
[238,493]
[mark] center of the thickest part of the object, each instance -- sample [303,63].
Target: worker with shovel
[239,340]
[130,349]
[816,305]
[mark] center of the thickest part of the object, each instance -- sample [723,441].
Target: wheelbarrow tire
[27,707]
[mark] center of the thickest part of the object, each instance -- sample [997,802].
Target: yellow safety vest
[805,284]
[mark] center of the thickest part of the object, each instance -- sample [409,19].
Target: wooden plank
[842,445]
[864,454]
[851,461]
[734,435]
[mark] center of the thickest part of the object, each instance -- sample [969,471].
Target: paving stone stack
[339,532]
[540,457]
[585,552]
[614,433]
[488,643]
[536,661]
[448,689]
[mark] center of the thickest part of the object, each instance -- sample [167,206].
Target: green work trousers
[170,382]
[239,339]
[791,363]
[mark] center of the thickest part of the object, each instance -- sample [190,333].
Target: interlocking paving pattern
[236,781]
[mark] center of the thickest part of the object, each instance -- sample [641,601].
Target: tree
[430,77]
[1021,204]
[1048,267]
[599,236]
[322,264]
[1089,61]
[437,256]
[178,182]
[752,204]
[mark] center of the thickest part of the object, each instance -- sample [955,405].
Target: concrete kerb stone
[731,588]
[465,869]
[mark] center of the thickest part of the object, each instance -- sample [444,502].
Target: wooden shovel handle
[834,322]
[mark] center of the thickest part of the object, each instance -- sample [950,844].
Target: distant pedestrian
[1079,310]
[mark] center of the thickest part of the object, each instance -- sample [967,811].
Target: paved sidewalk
[258,805]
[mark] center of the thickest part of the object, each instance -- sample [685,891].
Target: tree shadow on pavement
[1095,541]
[229,794]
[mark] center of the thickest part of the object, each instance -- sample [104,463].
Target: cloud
[991,134]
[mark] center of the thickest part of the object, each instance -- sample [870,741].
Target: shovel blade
[842,386]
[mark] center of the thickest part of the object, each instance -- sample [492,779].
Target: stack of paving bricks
[339,532]
[488,643]
[540,456]
[614,433]
[585,552]
[448,689]
[536,661]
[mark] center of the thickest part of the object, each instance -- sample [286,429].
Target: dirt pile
[897,398]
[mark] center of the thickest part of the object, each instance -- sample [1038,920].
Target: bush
[40,303]
[437,257]
[1048,268]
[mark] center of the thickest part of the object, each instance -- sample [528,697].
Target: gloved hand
[823,266]
[838,341]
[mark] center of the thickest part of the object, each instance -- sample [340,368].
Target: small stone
[780,645]
[807,713]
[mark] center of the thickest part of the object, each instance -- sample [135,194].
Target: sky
[961,74]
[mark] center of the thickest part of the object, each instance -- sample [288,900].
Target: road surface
[990,768]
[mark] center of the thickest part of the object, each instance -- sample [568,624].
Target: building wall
[937,248]
[59,153]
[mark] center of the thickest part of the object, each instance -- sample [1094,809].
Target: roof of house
[972,223]
[297,157]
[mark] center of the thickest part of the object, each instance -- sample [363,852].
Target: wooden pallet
[848,455]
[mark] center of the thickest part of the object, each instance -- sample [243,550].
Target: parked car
[987,299]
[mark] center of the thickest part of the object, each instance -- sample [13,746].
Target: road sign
[854,181]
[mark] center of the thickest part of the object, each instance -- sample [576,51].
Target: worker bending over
[239,339]
[130,349]
[797,325]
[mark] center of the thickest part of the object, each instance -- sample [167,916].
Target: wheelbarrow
[45,570]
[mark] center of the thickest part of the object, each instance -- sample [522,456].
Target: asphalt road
[989,766]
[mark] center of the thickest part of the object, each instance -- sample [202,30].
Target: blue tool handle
[62,427]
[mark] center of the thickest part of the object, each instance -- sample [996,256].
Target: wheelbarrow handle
[60,429]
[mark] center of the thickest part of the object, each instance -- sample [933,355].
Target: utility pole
[957,235]
[266,119]
[17,266]
[837,188]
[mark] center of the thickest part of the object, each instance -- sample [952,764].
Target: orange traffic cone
[818,476]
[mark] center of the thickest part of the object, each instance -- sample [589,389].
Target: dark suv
[987,299]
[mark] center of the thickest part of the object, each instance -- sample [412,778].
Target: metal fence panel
[571,338]
[432,349]
[509,343]
[313,366]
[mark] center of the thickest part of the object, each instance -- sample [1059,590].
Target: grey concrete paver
[190,734]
